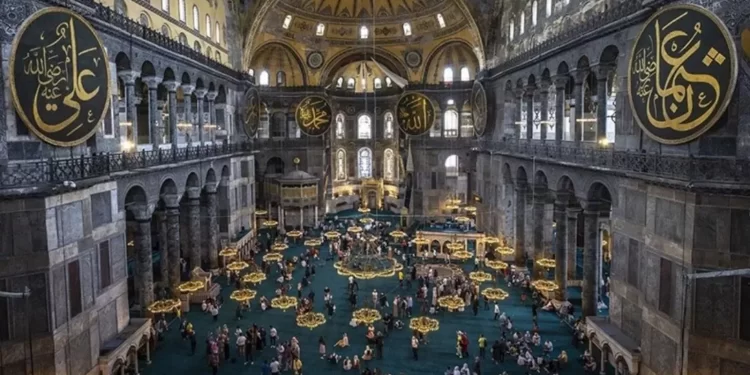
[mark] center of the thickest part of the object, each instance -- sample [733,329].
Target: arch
[144,20]
[210,177]
[389,164]
[221,97]
[147,69]
[451,166]
[122,61]
[540,180]
[340,132]
[356,54]
[226,173]
[185,78]
[455,53]
[275,165]
[197,47]
[193,181]
[565,184]
[263,80]
[609,55]
[599,193]
[364,163]
[168,75]
[341,171]
[521,178]
[435,245]
[168,187]
[450,123]
[583,63]
[388,124]
[506,173]
[278,56]
[121,8]
[364,126]
[196,18]
[181,10]
[136,195]
[183,39]
[446,250]
[562,68]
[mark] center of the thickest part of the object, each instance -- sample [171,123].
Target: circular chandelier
[546,262]
[279,246]
[273,257]
[243,295]
[354,229]
[462,219]
[397,234]
[364,210]
[470,209]
[365,263]
[491,240]
[237,266]
[366,220]
[228,252]
[284,302]
[454,246]
[545,285]
[254,277]
[366,316]
[294,233]
[421,241]
[313,242]
[311,320]
[424,324]
[261,212]
[480,277]
[462,255]
[164,306]
[496,265]
[451,302]
[332,235]
[495,294]
[191,286]
[270,223]
[505,250]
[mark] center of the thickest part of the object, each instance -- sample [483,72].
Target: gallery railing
[56,171]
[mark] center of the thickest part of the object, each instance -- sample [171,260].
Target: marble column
[544,111]
[153,121]
[128,78]
[187,99]
[538,251]
[163,248]
[211,97]
[591,258]
[571,241]
[529,96]
[143,260]
[172,203]
[194,226]
[561,259]
[560,83]
[520,224]
[601,104]
[578,96]
[519,113]
[172,100]
[212,206]
[200,95]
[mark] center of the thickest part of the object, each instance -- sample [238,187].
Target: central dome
[357,11]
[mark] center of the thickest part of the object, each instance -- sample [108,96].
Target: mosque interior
[590,158]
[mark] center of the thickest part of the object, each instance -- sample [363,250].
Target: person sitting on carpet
[347,364]
[367,354]
[344,342]
[355,362]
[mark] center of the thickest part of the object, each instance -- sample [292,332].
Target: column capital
[573,212]
[193,193]
[580,75]
[211,95]
[544,86]
[188,89]
[171,86]
[529,90]
[152,82]
[211,188]
[200,93]
[560,82]
[141,211]
[603,70]
[171,200]
[128,77]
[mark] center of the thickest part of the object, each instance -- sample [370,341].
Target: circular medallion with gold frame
[251,111]
[59,77]
[681,74]
[415,113]
[314,115]
[479,108]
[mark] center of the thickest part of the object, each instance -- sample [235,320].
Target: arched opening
[341,172]
[450,123]
[340,134]
[451,166]
[388,120]
[389,167]
[448,75]
[275,165]
[263,79]
[364,127]
[364,163]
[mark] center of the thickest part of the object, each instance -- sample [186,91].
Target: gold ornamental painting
[415,113]
[59,77]
[251,112]
[314,115]
[479,108]
[682,73]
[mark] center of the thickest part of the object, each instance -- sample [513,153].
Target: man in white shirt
[241,341]
[275,367]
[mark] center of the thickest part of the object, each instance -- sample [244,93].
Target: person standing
[482,342]
[415,347]
[241,342]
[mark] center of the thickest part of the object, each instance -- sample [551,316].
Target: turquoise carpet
[172,356]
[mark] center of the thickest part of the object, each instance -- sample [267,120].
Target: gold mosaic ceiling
[357,10]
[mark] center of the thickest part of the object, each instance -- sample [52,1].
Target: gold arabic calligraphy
[313,114]
[414,114]
[673,96]
[60,78]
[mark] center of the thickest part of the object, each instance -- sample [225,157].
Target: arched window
[251,72]
[209,52]
[165,31]
[534,11]
[364,163]
[122,9]
[364,32]
[340,126]
[341,165]
[364,127]
[208,26]
[441,20]
[465,74]
[451,166]
[448,74]
[197,46]
[522,23]
[165,5]
[287,21]
[181,9]
[340,82]
[407,29]
[548,8]
[263,81]
[388,82]
[350,83]
[450,123]
[218,56]
[378,83]
[280,78]
[511,30]
[218,33]
[320,30]
[183,39]
[196,18]
[388,119]
[144,20]
[388,165]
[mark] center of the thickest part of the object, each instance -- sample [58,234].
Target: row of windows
[364,126]
[364,164]
[196,19]
[264,78]
[534,17]
[377,83]
[448,74]
[364,32]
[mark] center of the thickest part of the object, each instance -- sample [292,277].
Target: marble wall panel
[108,321]
[70,223]
[714,298]
[87,282]
[664,355]
[118,258]
[101,209]
[80,353]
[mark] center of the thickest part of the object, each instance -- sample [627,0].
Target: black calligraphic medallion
[682,73]
[59,77]
[415,113]
[479,107]
[314,115]
[251,111]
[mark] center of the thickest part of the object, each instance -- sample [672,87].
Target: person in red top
[464,345]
